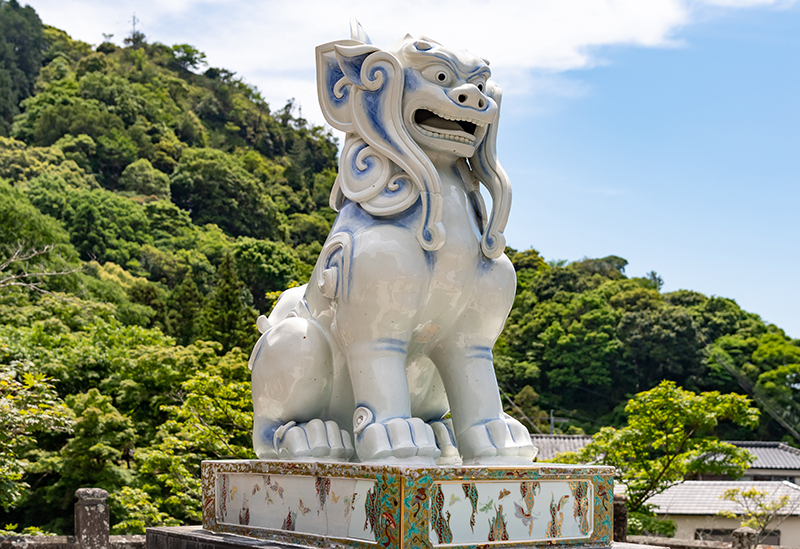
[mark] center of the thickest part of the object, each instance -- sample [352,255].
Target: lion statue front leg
[373,327]
[484,433]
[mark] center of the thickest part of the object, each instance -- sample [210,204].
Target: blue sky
[683,160]
[663,131]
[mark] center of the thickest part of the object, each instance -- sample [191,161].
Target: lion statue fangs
[411,289]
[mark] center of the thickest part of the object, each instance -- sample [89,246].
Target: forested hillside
[151,207]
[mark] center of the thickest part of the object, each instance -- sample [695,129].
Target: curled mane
[382,168]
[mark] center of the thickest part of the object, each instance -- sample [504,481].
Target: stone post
[92,518]
[620,518]
[744,538]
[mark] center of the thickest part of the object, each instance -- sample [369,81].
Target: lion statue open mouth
[412,288]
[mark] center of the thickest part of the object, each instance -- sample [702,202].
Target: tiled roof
[703,497]
[771,455]
[550,445]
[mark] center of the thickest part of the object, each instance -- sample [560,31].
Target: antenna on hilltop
[136,39]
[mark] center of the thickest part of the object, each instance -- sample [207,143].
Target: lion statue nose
[468,95]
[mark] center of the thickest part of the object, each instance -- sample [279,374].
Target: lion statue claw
[411,290]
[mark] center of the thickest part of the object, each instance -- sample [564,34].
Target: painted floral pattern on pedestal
[277,488]
[323,486]
[350,505]
[528,491]
[289,522]
[471,493]
[372,509]
[498,529]
[580,504]
[556,516]
[381,506]
[223,494]
[440,519]
[244,512]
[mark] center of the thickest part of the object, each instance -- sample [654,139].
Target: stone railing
[91,529]
[743,538]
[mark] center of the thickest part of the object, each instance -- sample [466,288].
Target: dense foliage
[149,211]
[668,437]
[583,339]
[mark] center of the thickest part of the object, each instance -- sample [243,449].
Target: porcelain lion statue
[411,290]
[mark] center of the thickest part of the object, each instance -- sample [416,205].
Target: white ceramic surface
[411,289]
[544,510]
[320,506]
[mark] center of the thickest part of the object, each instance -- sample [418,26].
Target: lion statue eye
[480,86]
[438,74]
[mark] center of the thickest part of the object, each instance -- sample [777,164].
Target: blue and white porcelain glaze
[411,290]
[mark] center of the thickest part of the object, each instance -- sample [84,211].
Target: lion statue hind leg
[292,380]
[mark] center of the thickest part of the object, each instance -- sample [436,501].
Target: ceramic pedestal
[403,507]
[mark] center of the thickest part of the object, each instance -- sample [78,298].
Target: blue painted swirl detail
[368,161]
[332,76]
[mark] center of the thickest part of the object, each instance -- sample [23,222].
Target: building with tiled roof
[694,505]
[774,460]
[551,445]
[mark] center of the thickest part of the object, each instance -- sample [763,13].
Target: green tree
[215,188]
[660,343]
[756,510]
[30,405]
[107,227]
[264,266]
[308,228]
[189,57]
[98,454]
[20,221]
[137,511]
[783,383]
[185,306]
[669,437]
[87,232]
[227,318]
[774,350]
[142,178]
[21,46]
[211,418]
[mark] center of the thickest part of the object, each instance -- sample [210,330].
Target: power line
[766,402]
[519,411]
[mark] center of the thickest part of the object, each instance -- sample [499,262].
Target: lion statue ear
[357,32]
[486,167]
[360,88]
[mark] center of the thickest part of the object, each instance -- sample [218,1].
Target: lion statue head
[398,107]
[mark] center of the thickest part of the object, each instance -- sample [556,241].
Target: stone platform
[195,537]
[364,506]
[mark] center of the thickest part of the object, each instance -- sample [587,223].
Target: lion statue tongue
[386,354]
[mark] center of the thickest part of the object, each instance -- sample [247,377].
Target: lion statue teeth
[411,290]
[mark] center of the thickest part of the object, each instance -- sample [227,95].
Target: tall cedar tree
[185,305]
[226,317]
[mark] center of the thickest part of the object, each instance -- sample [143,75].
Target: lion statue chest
[446,278]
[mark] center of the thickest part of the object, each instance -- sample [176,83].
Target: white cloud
[271,43]
[747,3]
